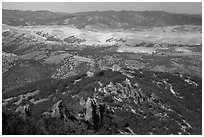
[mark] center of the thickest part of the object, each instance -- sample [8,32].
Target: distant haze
[71,7]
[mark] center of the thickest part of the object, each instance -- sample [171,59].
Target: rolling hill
[109,19]
[107,72]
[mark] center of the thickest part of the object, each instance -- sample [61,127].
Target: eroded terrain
[63,79]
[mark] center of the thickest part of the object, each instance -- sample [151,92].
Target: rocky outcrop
[59,110]
[56,109]
[123,91]
[24,110]
[94,112]
[119,105]
[89,105]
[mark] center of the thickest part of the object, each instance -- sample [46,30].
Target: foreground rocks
[110,102]
[94,112]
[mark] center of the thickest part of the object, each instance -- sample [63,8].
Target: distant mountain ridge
[110,19]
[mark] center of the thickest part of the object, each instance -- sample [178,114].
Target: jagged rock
[24,110]
[58,110]
[89,110]
[55,109]
[94,112]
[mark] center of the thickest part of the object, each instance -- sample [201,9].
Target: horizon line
[103,11]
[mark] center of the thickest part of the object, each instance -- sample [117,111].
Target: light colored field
[155,35]
[57,58]
[136,49]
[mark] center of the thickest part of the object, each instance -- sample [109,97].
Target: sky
[71,7]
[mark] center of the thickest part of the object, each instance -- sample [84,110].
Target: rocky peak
[59,110]
[94,112]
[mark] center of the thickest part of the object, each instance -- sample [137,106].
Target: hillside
[109,19]
[37,53]
[101,73]
[108,102]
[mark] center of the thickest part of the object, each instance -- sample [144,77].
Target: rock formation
[59,110]
[24,110]
[94,112]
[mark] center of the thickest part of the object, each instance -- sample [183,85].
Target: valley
[89,73]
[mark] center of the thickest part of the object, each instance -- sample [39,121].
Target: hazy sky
[70,7]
